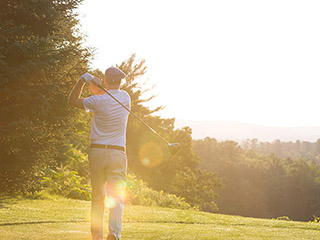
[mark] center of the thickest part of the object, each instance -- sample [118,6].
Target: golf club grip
[144,123]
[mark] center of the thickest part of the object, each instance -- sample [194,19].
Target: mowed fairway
[65,219]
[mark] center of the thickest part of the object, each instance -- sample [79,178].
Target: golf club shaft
[143,122]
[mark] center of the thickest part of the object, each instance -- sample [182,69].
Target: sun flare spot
[121,189]
[110,202]
[150,155]
[146,161]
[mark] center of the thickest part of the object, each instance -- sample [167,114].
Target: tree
[148,156]
[40,58]
[262,185]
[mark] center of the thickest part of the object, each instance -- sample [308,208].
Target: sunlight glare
[150,155]
[110,202]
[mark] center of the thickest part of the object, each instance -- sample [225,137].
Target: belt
[107,147]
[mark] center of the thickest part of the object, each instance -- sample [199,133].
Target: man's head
[113,76]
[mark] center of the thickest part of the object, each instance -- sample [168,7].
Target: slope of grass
[66,219]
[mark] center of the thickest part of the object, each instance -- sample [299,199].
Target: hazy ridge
[238,131]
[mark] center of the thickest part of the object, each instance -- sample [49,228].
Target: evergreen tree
[40,58]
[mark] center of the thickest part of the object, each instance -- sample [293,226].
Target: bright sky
[251,61]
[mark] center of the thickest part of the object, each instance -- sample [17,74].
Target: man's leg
[116,210]
[116,183]
[98,183]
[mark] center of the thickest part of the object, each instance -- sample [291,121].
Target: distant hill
[238,131]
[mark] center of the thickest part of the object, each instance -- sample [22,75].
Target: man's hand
[74,97]
[87,77]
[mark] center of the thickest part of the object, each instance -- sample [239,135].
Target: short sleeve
[90,103]
[128,100]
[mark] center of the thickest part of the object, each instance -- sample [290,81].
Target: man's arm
[74,97]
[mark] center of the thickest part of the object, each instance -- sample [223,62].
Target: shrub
[283,218]
[66,183]
[76,160]
[140,194]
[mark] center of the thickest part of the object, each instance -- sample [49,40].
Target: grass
[66,219]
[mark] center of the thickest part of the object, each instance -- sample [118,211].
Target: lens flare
[146,161]
[116,193]
[150,155]
[110,202]
[120,190]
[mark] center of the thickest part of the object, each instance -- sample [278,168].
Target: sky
[249,61]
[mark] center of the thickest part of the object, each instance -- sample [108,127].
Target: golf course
[66,219]
[153,120]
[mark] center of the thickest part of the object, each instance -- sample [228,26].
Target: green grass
[66,219]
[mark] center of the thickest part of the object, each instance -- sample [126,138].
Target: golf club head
[173,147]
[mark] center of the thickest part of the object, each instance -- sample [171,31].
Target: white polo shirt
[109,122]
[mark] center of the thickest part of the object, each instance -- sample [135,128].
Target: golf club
[173,147]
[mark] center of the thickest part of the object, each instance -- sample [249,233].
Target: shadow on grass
[11,199]
[39,222]
[6,200]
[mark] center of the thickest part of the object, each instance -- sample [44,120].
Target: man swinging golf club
[107,156]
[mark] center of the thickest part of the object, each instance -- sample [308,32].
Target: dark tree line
[260,185]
